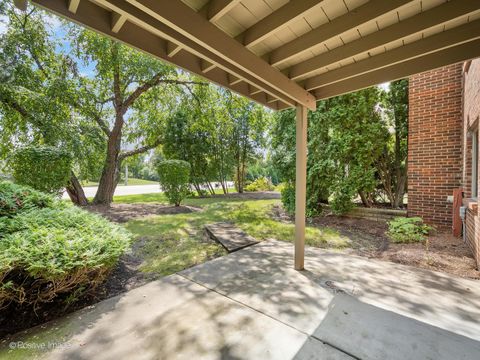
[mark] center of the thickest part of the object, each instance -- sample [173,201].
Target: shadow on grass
[176,242]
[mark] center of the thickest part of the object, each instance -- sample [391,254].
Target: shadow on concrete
[252,304]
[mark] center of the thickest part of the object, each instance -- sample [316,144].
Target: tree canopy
[354,142]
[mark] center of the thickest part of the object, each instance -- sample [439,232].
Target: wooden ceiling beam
[215,9]
[350,20]
[172,49]
[99,20]
[252,90]
[117,22]
[449,38]
[423,21]
[402,70]
[232,79]
[200,36]
[206,66]
[73,5]
[20,4]
[276,21]
[189,43]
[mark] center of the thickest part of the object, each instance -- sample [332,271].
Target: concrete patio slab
[251,304]
[262,276]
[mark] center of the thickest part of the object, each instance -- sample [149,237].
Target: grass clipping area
[175,242]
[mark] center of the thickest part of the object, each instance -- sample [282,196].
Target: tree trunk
[224,187]
[400,191]
[75,191]
[110,173]
[365,200]
[210,188]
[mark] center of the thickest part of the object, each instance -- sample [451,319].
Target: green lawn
[161,199]
[131,181]
[175,242]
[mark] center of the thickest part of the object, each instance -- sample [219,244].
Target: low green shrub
[407,230]
[279,187]
[174,177]
[288,198]
[15,199]
[56,252]
[260,184]
[44,168]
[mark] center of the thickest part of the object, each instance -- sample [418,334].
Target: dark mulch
[121,213]
[442,252]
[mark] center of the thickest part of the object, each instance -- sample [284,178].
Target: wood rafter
[173,49]
[449,38]
[199,36]
[276,21]
[215,9]
[350,20]
[117,22]
[206,66]
[401,70]
[73,5]
[175,32]
[423,21]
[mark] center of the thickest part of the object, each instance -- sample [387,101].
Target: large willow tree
[66,86]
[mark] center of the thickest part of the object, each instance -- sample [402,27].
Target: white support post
[300,185]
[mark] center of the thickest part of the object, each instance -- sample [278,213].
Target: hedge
[53,251]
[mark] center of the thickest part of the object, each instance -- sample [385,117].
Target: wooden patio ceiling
[284,53]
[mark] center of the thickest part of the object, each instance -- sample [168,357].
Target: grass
[160,198]
[131,181]
[175,242]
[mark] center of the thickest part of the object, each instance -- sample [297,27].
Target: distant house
[443,146]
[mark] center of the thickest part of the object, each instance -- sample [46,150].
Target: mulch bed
[442,252]
[122,213]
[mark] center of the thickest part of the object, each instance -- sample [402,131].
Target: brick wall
[435,143]
[471,114]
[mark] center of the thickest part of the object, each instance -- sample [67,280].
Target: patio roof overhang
[285,54]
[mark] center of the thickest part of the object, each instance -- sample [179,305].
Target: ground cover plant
[51,250]
[406,230]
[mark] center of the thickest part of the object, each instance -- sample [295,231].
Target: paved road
[123,190]
[132,189]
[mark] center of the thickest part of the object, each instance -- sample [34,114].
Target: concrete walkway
[251,304]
